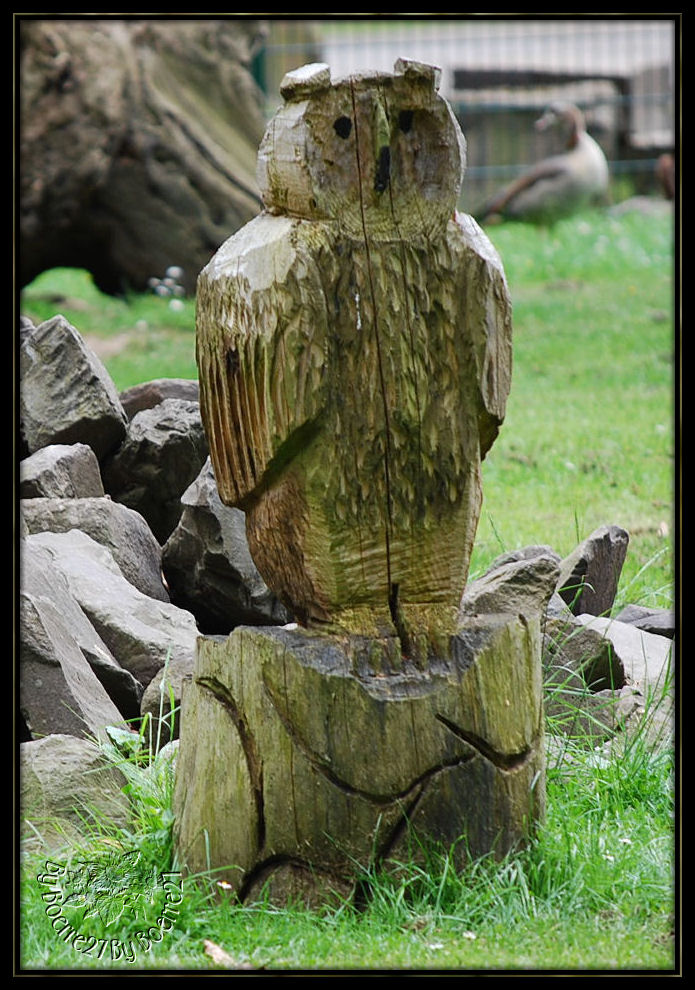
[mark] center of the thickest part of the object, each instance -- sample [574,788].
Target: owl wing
[488,317]
[260,347]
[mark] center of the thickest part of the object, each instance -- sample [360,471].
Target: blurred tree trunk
[138,142]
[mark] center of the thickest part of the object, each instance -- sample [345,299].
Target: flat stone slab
[61,471]
[646,658]
[121,530]
[589,576]
[65,781]
[67,395]
[661,621]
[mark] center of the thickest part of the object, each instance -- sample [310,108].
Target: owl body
[354,362]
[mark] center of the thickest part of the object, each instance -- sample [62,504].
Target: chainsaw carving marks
[285,771]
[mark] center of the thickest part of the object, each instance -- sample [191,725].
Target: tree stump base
[306,759]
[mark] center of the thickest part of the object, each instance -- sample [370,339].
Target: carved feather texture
[353,373]
[354,349]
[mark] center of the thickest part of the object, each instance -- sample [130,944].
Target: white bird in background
[559,185]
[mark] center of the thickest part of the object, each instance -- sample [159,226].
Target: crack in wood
[401,826]
[271,864]
[321,767]
[380,363]
[248,744]
[505,762]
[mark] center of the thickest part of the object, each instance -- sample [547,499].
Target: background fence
[499,75]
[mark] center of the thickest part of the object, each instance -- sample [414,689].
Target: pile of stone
[602,671]
[127,555]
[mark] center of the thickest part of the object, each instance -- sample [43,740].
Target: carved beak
[382,150]
[383,169]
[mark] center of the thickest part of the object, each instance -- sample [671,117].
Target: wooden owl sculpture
[354,352]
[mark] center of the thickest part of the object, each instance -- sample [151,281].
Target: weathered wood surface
[137,144]
[304,758]
[354,348]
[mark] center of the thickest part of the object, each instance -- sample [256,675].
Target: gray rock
[647,659]
[589,576]
[591,717]
[557,608]
[58,690]
[149,394]
[63,782]
[208,566]
[585,693]
[577,657]
[120,685]
[660,621]
[122,530]
[517,584]
[61,471]
[600,672]
[67,395]
[165,758]
[140,632]
[524,553]
[163,452]
[22,528]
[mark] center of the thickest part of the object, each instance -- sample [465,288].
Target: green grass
[593,892]
[588,439]
[589,434]
[139,337]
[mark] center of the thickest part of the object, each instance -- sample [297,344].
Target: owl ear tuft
[305,81]
[418,72]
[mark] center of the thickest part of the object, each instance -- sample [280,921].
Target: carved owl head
[379,153]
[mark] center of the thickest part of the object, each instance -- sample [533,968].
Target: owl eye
[342,127]
[405,120]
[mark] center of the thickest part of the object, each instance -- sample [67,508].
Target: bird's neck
[575,131]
